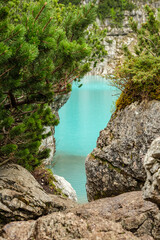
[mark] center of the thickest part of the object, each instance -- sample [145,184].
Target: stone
[116,166]
[62,203]
[151,189]
[120,36]
[49,142]
[130,210]
[60,226]
[123,217]
[66,187]
[21,196]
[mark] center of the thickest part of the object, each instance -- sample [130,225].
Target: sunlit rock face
[66,187]
[116,164]
[151,190]
[21,196]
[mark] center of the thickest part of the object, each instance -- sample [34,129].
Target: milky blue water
[86,113]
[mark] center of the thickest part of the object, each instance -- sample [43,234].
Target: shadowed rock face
[116,164]
[125,217]
[151,190]
[21,196]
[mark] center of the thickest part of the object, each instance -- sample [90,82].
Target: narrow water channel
[86,113]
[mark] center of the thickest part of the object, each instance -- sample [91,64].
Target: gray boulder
[116,166]
[21,196]
[135,215]
[61,226]
[123,217]
[151,190]
[65,187]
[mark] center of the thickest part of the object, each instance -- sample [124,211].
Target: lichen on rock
[22,197]
[116,164]
[123,217]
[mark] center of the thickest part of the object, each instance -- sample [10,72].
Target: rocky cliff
[116,164]
[120,36]
[59,101]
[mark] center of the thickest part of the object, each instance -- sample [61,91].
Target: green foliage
[139,77]
[66,2]
[114,9]
[47,180]
[44,46]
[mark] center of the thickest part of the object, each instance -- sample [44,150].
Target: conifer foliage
[44,46]
[139,76]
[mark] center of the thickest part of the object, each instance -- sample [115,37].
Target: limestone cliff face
[120,36]
[116,164]
[49,142]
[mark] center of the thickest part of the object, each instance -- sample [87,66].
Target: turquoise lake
[87,111]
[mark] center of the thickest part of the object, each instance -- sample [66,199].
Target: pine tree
[44,46]
[139,76]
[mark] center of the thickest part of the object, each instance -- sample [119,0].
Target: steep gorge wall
[120,36]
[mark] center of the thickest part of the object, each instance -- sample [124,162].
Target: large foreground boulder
[21,196]
[125,217]
[151,190]
[135,215]
[60,226]
[116,166]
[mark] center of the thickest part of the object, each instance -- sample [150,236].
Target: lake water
[86,113]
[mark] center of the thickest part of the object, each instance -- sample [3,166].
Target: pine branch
[3,100]
[40,11]
[6,71]
[65,88]
[78,20]
[3,53]
[47,23]
[4,162]
[151,42]
[61,65]
[11,36]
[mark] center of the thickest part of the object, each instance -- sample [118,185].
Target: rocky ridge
[123,217]
[116,166]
